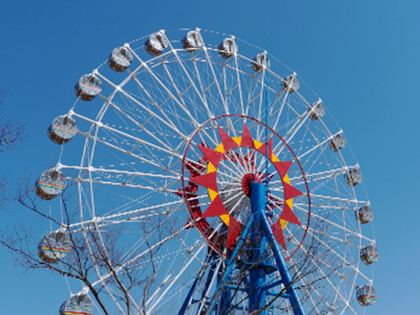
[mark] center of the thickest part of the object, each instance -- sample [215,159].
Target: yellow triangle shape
[274,158]
[220,148]
[290,203]
[283,224]
[257,144]
[211,168]
[237,140]
[225,218]
[212,194]
[286,179]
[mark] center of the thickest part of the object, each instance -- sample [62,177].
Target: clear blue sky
[360,57]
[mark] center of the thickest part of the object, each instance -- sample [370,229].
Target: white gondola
[353,177]
[77,305]
[369,255]
[120,59]
[54,246]
[51,183]
[366,295]
[338,142]
[290,84]
[316,111]
[228,48]
[88,87]
[260,61]
[192,41]
[62,129]
[365,214]
[156,43]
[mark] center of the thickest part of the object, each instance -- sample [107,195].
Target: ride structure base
[264,257]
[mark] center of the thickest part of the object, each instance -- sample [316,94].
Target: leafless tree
[11,133]
[84,256]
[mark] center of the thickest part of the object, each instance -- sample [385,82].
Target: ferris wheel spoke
[250,98]
[284,102]
[126,293]
[179,92]
[325,276]
[332,238]
[201,95]
[155,229]
[331,223]
[312,177]
[158,106]
[125,178]
[238,168]
[117,148]
[142,126]
[328,198]
[121,172]
[308,287]
[167,122]
[238,80]
[324,207]
[98,272]
[319,145]
[225,182]
[202,91]
[234,196]
[331,203]
[307,284]
[340,257]
[216,81]
[92,181]
[229,94]
[152,307]
[122,143]
[275,113]
[345,305]
[148,250]
[300,278]
[206,294]
[260,104]
[204,76]
[119,218]
[166,89]
[293,131]
[232,210]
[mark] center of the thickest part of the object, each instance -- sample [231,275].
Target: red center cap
[247,181]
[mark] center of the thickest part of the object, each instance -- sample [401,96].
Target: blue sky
[360,57]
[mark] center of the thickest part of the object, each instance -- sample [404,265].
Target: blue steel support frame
[256,224]
[258,209]
[257,273]
[231,263]
[208,263]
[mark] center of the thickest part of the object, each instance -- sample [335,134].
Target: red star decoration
[228,142]
[210,155]
[247,140]
[278,234]
[216,207]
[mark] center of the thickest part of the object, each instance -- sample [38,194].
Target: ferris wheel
[207,182]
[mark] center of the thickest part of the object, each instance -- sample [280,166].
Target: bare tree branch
[11,133]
